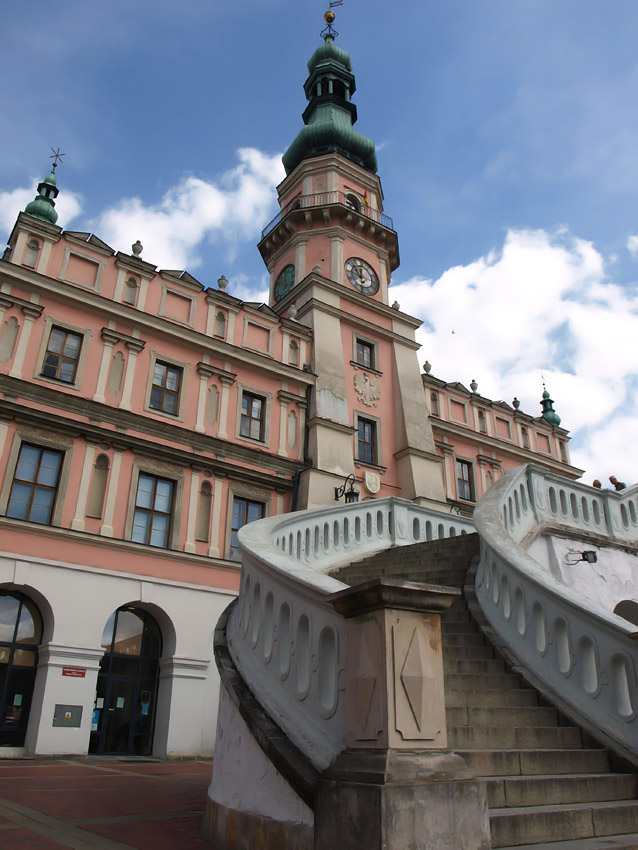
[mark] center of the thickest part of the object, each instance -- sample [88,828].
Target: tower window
[366,441]
[365,354]
[352,202]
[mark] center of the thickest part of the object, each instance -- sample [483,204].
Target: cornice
[117,544]
[107,309]
[504,447]
[29,308]
[126,421]
[329,423]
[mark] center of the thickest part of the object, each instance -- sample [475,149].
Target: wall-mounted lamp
[573,557]
[350,493]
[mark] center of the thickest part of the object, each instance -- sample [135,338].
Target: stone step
[474,666]
[496,697]
[468,682]
[547,790]
[539,762]
[469,651]
[609,842]
[526,716]
[513,737]
[516,826]
[459,627]
[461,639]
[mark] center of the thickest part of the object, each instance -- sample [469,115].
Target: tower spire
[549,414]
[330,114]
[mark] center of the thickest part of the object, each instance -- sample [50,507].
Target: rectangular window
[167,382]
[364,354]
[252,416]
[35,484]
[244,511]
[366,441]
[464,483]
[62,355]
[153,510]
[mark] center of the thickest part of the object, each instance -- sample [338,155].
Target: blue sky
[506,138]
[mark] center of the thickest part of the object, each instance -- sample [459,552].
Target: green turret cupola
[549,414]
[43,206]
[330,113]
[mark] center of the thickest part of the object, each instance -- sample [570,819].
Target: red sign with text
[74,672]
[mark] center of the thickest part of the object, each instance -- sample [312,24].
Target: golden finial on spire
[329,17]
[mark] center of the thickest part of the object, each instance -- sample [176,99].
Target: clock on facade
[284,281]
[362,276]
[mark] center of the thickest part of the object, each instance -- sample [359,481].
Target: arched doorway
[126,696]
[20,636]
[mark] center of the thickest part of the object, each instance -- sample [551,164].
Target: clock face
[284,282]
[362,276]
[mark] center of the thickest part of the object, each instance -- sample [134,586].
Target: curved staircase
[549,785]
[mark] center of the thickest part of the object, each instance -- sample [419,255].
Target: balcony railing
[323,199]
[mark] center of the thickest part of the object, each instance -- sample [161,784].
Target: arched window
[434,403]
[130,291]
[126,696]
[20,636]
[220,324]
[352,202]
[31,253]
[338,88]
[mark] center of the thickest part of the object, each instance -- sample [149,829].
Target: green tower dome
[330,114]
[549,414]
[43,205]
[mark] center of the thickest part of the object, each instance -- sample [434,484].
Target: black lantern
[350,493]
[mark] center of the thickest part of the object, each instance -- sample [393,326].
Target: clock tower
[330,252]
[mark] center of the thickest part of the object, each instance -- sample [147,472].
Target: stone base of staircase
[550,785]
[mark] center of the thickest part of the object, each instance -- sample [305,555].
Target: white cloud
[542,306]
[632,245]
[232,209]
[68,205]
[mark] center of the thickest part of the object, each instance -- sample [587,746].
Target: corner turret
[549,414]
[43,205]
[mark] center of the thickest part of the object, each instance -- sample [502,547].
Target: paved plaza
[102,804]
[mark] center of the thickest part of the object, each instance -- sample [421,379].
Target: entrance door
[20,636]
[126,696]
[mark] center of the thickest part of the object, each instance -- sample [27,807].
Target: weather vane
[329,17]
[57,157]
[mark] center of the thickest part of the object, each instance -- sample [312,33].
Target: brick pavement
[102,804]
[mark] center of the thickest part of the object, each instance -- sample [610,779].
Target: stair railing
[285,638]
[579,651]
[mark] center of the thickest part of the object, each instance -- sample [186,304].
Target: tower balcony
[327,199]
[328,207]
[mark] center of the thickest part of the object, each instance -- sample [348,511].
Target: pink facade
[479,440]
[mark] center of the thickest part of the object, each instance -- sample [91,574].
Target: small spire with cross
[56,157]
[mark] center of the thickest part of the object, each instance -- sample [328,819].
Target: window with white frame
[464,480]
[153,510]
[62,355]
[252,418]
[166,387]
[244,511]
[35,484]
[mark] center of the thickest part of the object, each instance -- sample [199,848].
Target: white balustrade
[586,655]
[285,638]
